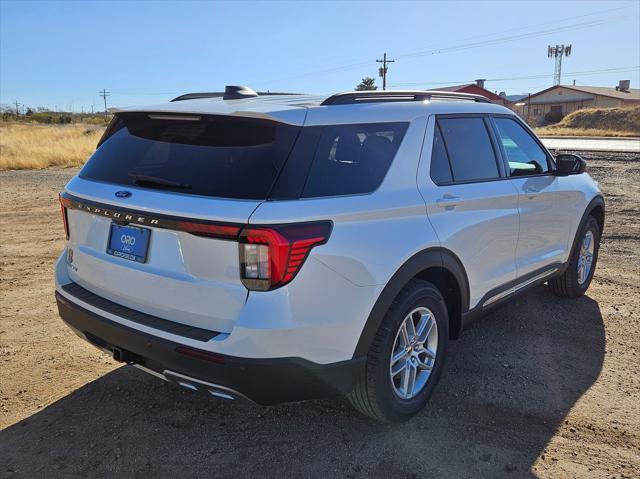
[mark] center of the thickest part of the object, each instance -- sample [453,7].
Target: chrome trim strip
[193,383]
[536,278]
[499,296]
[519,286]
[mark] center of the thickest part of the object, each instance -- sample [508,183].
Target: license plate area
[129,242]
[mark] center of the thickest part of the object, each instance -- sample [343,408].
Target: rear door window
[351,159]
[523,153]
[470,150]
[205,155]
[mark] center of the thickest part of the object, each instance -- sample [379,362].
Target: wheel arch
[437,265]
[595,208]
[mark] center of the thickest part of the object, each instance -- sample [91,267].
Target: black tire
[567,285]
[374,394]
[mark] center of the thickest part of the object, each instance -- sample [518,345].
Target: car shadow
[509,382]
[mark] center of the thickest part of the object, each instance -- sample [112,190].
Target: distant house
[476,88]
[564,99]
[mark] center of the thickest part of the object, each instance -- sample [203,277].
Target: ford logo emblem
[123,194]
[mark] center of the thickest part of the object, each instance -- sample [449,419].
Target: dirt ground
[542,387]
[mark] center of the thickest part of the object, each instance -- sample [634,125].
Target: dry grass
[560,131]
[27,146]
[597,122]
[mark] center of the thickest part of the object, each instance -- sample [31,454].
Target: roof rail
[372,96]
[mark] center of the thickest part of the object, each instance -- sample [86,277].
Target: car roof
[292,108]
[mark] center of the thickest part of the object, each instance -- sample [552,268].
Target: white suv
[286,247]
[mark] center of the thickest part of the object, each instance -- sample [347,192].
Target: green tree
[367,83]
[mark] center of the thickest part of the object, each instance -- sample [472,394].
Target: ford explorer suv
[280,248]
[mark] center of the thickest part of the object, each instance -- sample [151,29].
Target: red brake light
[271,257]
[63,211]
[221,231]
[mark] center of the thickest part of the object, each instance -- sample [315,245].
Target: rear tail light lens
[63,211]
[270,257]
[209,230]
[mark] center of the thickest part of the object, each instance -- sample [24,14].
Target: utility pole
[17,109]
[104,94]
[382,71]
[558,52]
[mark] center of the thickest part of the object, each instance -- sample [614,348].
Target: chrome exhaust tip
[194,384]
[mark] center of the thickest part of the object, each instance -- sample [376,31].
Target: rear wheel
[406,357]
[575,281]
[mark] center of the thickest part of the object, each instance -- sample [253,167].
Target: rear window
[214,156]
[350,159]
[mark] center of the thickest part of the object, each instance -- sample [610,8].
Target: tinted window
[351,159]
[470,151]
[523,153]
[440,169]
[213,156]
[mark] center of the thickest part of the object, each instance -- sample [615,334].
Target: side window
[440,168]
[352,159]
[523,153]
[470,151]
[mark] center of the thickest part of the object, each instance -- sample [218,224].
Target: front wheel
[406,357]
[574,282]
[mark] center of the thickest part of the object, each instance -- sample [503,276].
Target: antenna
[558,52]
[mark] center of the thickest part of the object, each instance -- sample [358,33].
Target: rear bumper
[264,381]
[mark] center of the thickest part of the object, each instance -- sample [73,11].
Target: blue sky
[61,53]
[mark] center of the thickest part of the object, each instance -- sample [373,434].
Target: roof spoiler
[231,92]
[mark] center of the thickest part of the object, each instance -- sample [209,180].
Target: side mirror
[569,164]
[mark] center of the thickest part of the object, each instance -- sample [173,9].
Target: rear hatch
[154,214]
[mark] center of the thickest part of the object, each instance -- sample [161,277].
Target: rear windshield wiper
[157,182]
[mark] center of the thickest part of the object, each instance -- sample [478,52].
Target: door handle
[448,201]
[531,189]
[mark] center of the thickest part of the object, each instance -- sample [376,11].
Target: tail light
[220,231]
[63,211]
[270,257]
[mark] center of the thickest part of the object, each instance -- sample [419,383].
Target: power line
[561,20]
[529,77]
[501,40]
[445,49]
[441,50]
[382,71]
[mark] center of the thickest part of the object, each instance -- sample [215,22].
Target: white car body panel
[542,240]
[497,229]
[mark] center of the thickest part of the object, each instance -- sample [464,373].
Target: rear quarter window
[351,159]
[440,167]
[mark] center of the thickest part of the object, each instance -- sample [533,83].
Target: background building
[476,88]
[563,99]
